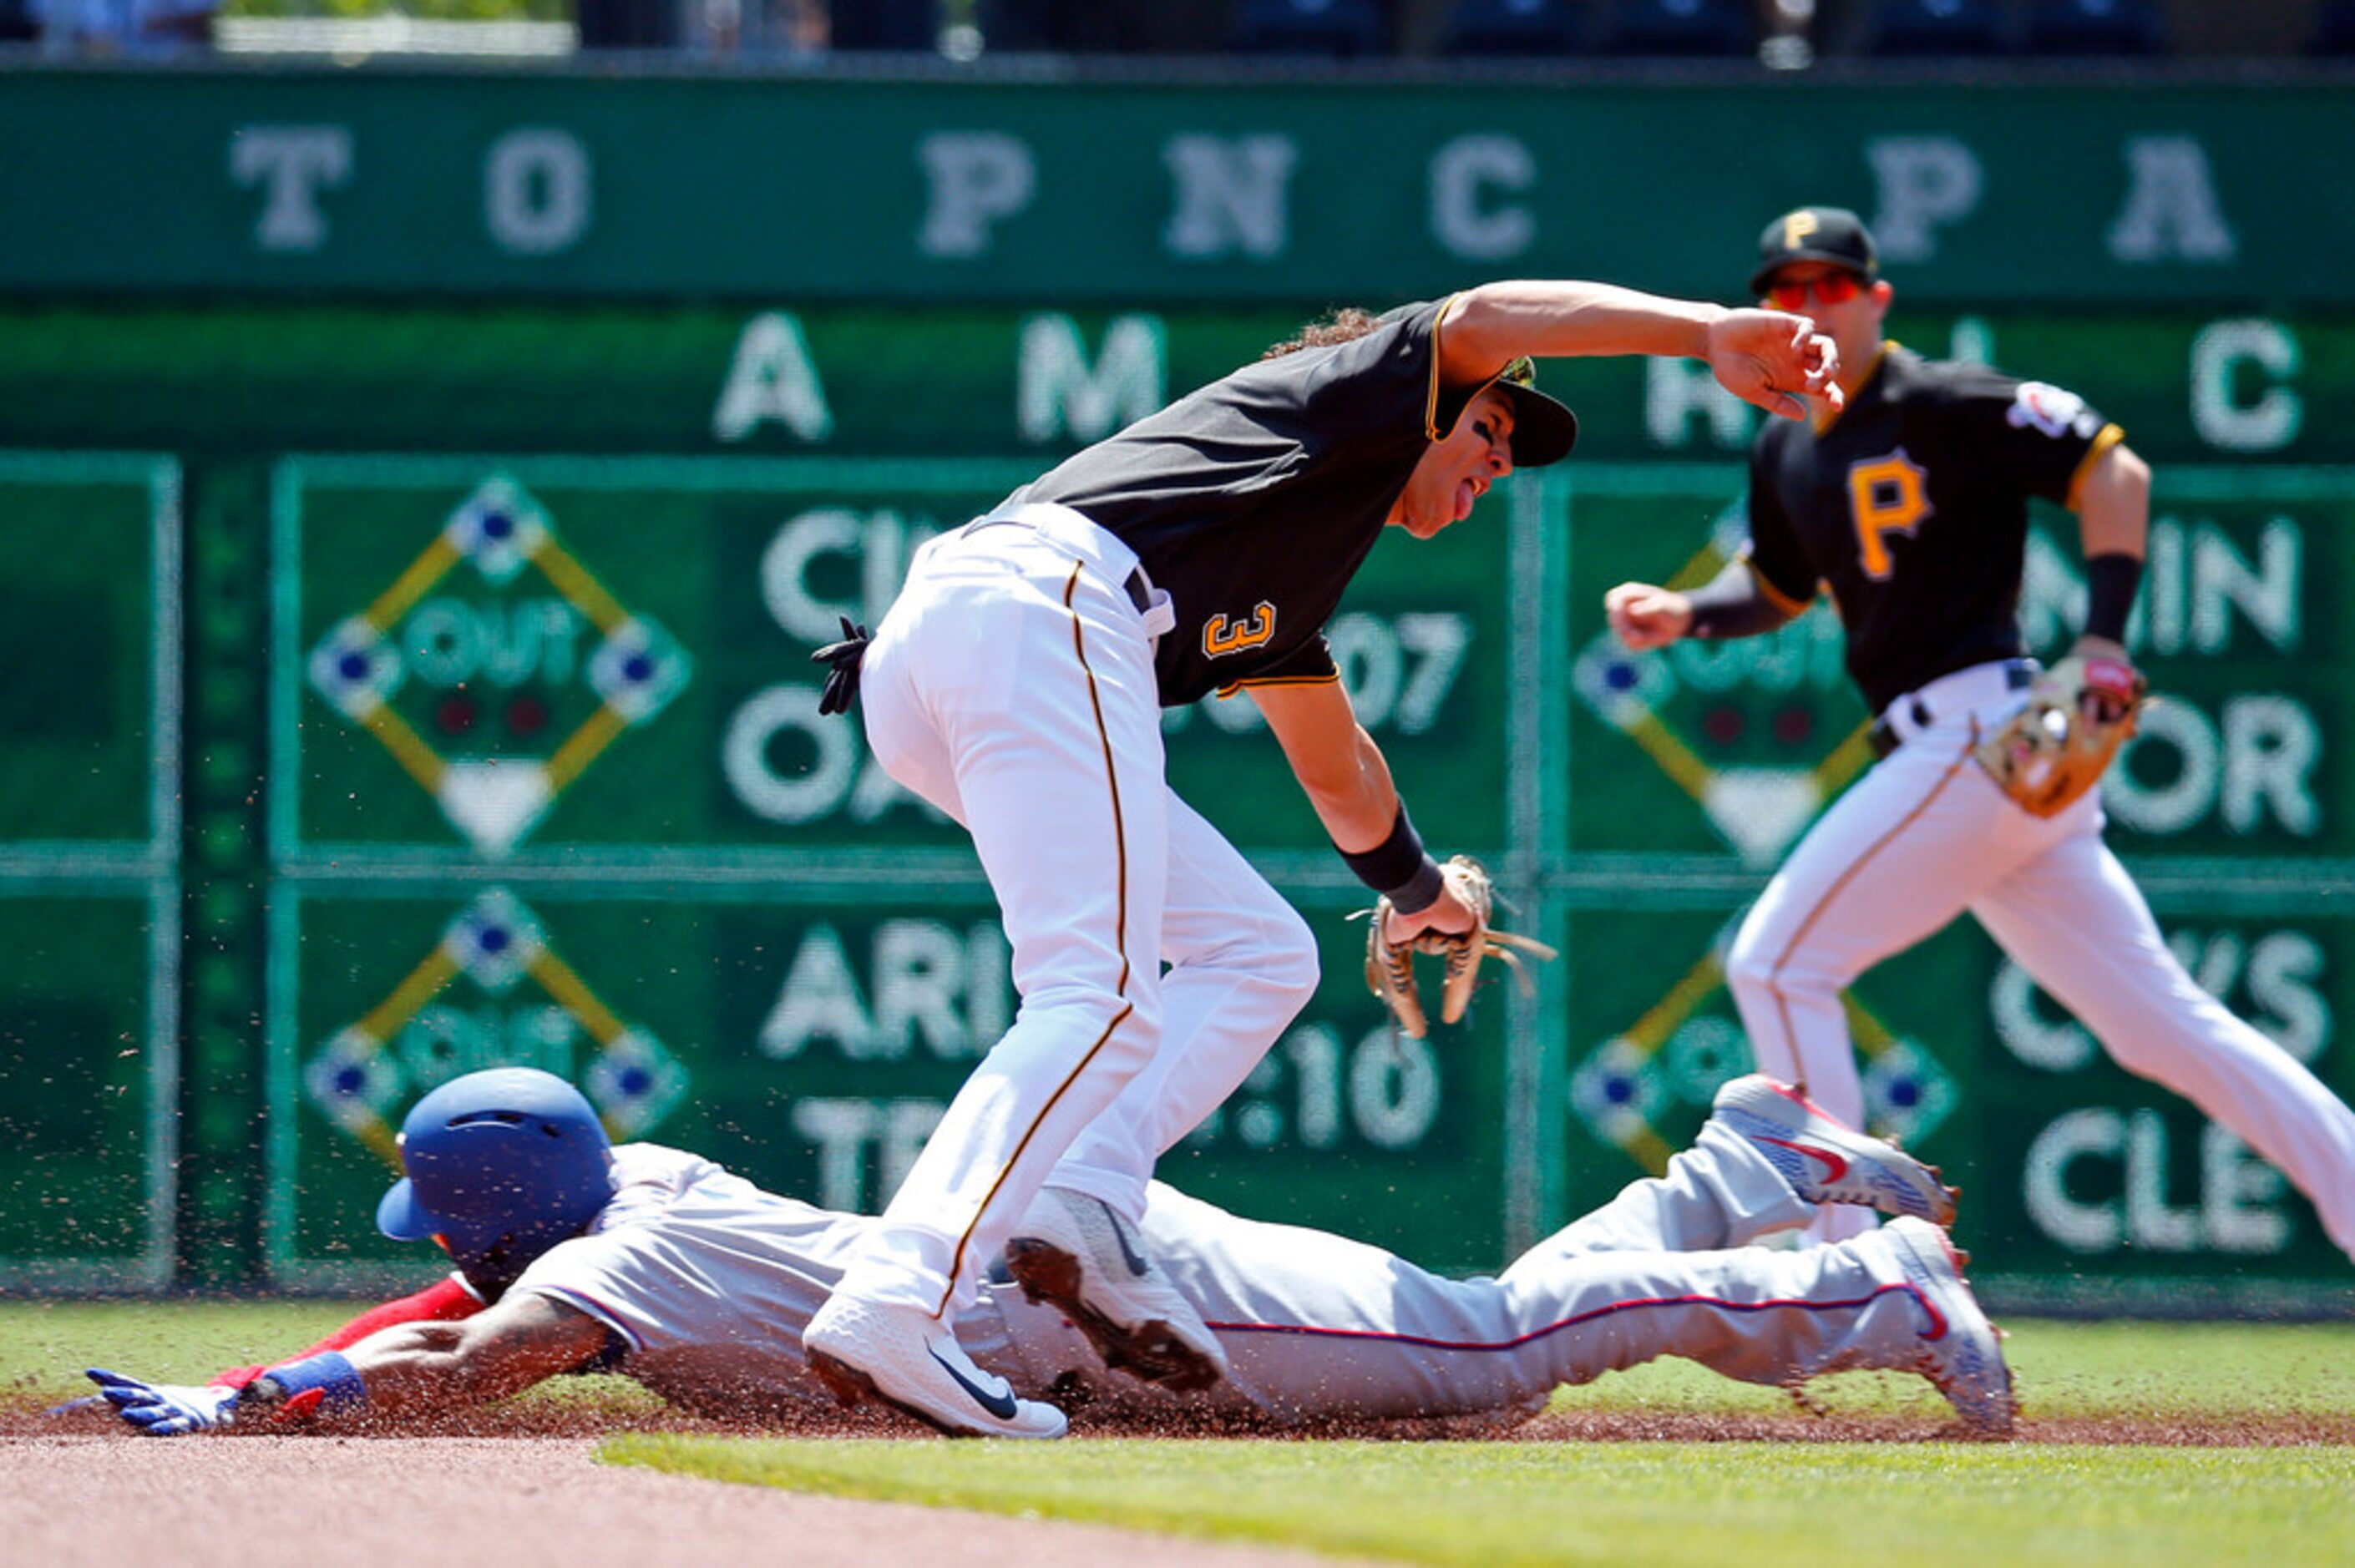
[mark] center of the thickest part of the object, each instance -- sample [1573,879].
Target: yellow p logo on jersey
[1885,496]
[1796,228]
[1221,636]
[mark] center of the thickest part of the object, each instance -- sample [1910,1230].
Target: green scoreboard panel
[90,825]
[563,712]
[810,1041]
[532,660]
[1677,780]
[503,614]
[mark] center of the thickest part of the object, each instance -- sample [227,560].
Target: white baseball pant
[1315,1325]
[1011,684]
[1926,835]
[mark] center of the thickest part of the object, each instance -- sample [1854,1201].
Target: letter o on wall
[536,198]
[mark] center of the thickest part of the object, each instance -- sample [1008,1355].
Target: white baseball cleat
[1825,1161]
[1961,1352]
[909,1359]
[1074,1252]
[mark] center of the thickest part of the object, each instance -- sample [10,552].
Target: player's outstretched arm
[419,1367]
[2112,502]
[1734,603]
[1767,357]
[1348,780]
[1646,616]
[175,1410]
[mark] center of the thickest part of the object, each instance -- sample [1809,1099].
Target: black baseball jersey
[1911,507]
[1254,500]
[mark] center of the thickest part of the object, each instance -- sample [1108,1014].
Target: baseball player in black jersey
[1910,506]
[1017,683]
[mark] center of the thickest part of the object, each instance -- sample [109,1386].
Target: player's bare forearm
[2114,526]
[415,1367]
[1485,326]
[442,1301]
[2113,506]
[1341,770]
[1767,357]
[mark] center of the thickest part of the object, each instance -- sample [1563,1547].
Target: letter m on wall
[1061,394]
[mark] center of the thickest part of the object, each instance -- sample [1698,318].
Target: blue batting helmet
[502,1166]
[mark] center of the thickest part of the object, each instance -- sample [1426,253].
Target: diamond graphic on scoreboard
[464,1008]
[495,941]
[499,528]
[1645,1089]
[1616,1092]
[1761,810]
[1907,1093]
[637,670]
[497,616]
[1734,725]
[356,668]
[350,1082]
[635,1083]
[494,803]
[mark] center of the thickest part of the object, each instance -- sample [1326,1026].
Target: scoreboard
[89,826]
[480,727]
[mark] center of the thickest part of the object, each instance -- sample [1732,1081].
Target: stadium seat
[1680,27]
[1057,27]
[2334,30]
[2092,27]
[1918,28]
[1342,29]
[1508,28]
[885,24]
[627,23]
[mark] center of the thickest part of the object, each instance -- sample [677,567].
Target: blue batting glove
[164,1409]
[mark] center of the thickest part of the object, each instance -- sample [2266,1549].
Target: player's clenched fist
[1775,360]
[1646,616]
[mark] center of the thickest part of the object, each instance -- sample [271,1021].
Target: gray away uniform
[707,1283]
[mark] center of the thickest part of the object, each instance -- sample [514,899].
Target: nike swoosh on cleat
[1834,1166]
[1136,1264]
[998,1404]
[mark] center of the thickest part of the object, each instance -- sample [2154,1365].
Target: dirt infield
[517,1483]
[400,1502]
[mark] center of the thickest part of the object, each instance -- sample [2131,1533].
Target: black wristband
[1397,867]
[2110,583]
[1732,604]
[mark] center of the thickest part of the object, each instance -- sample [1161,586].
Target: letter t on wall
[292,163]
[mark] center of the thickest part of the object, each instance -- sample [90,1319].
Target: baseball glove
[1389,967]
[2059,744]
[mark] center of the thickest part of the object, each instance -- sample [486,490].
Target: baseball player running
[573,1255]
[1015,683]
[1911,505]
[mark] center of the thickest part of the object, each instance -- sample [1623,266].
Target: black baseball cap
[1543,430]
[1830,234]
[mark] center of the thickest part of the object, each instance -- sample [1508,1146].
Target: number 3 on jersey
[1885,496]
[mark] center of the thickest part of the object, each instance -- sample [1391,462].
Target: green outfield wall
[943,186]
[323,786]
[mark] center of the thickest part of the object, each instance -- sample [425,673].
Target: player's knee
[1749,971]
[1292,964]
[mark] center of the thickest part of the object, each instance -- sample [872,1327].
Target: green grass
[1753,1505]
[2108,1370]
[1663,1505]
[45,1345]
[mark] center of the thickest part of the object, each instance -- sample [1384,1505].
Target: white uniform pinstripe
[1927,835]
[1012,685]
[708,1281]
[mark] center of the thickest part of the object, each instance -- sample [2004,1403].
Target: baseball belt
[1912,714]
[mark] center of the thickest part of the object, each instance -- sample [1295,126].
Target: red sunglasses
[1832,289]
